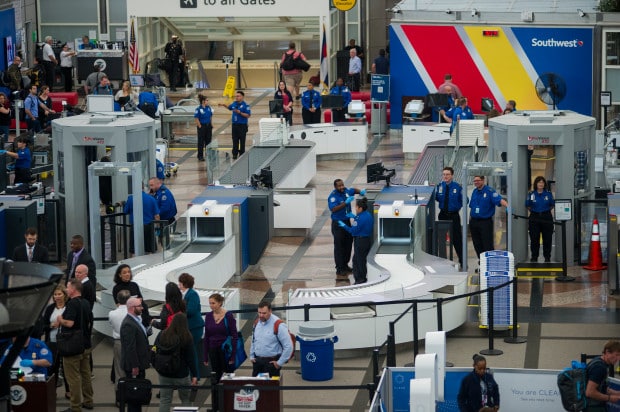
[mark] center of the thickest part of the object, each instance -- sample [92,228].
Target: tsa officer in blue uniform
[461,112]
[361,230]
[339,203]
[35,355]
[240,114]
[449,196]
[22,161]
[482,203]
[339,89]
[204,128]
[311,105]
[540,202]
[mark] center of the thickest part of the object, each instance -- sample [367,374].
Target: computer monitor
[136,80]
[373,171]
[487,104]
[100,103]
[438,100]
[331,101]
[276,106]
[153,79]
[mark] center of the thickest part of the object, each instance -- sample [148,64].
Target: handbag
[240,355]
[136,390]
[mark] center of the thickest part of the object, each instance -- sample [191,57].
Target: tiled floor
[559,320]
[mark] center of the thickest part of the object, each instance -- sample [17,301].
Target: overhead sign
[233,8]
[227,58]
[380,87]
[344,5]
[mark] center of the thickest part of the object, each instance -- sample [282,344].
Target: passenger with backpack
[174,359]
[478,388]
[597,392]
[291,74]
[174,305]
[269,350]
[219,324]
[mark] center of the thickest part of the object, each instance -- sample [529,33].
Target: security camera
[448,11]
[474,13]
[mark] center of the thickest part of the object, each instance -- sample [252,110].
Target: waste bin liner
[316,342]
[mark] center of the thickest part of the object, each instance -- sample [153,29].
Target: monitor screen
[438,100]
[414,107]
[372,171]
[151,80]
[136,80]
[357,107]
[332,101]
[486,104]
[100,103]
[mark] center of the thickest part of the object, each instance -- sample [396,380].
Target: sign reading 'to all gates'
[344,5]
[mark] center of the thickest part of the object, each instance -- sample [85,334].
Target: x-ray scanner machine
[572,136]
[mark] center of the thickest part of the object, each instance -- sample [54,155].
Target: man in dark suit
[88,289]
[30,251]
[134,345]
[80,256]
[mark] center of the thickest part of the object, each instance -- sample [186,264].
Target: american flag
[324,60]
[134,60]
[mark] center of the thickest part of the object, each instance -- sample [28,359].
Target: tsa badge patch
[18,395]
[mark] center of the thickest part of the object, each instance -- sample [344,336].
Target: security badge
[354,223]
[332,199]
[44,351]
[454,191]
[164,197]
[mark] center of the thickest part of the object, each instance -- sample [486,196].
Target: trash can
[316,342]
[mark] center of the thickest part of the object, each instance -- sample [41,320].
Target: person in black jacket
[478,388]
[174,305]
[79,255]
[177,338]
[30,251]
[123,281]
[50,327]
[88,289]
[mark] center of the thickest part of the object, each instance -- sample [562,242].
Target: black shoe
[201,159]
[534,259]
[86,406]
[348,269]
[298,97]
[234,157]
[547,260]
[359,282]
[173,89]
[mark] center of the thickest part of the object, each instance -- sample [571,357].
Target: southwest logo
[189,4]
[556,43]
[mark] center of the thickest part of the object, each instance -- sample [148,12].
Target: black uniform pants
[239,132]
[309,117]
[457,233]
[361,247]
[541,223]
[205,134]
[343,241]
[482,232]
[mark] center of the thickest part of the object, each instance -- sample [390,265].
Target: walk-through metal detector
[119,172]
[486,169]
[572,136]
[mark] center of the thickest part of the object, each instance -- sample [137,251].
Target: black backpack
[572,383]
[166,360]
[289,61]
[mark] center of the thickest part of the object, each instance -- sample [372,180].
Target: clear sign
[563,209]
[380,88]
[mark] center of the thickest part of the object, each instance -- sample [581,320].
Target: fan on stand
[551,89]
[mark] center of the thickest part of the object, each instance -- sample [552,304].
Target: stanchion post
[375,366]
[564,277]
[514,338]
[306,312]
[391,347]
[491,351]
[439,314]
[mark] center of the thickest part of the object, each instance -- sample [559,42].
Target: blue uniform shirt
[204,114]
[310,99]
[149,208]
[335,198]
[483,202]
[459,113]
[455,196]
[160,170]
[342,91]
[167,204]
[35,350]
[361,226]
[243,108]
[23,158]
[539,202]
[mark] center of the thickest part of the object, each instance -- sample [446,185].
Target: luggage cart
[161,154]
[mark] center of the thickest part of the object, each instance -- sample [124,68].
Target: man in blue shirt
[22,161]
[31,108]
[339,203]
[338,113]
[240,114]
[482,204]
[381,65]
[34,355]
[461,112]
[311,105]
[150,212]
[355,71]
[167,206]
[449,197]
[269,351]
[361,230]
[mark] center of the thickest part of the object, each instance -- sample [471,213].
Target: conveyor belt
[425,163]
